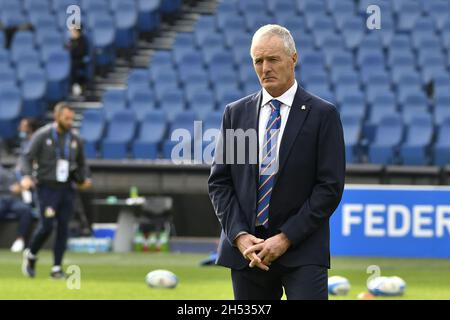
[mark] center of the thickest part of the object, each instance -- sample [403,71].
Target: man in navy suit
[275,211]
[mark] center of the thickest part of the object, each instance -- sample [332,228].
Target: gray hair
[270,30]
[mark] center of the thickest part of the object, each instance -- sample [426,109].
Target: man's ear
[295,58]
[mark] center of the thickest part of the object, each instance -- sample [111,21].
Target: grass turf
[121,276]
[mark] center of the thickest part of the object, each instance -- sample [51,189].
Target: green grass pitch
[121,276]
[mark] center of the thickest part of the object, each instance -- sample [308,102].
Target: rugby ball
[387,286]
[161,279]
[338,286]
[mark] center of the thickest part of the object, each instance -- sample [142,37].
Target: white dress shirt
[286,100]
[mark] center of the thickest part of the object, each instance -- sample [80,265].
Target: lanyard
[67,137]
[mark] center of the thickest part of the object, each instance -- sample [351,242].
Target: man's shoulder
[319,103]
[44,130]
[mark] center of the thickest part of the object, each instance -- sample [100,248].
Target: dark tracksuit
[55,198]
[10,203]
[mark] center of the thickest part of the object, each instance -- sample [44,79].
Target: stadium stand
[378,79]
[396,78]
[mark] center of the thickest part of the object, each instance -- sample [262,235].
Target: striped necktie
[269,164]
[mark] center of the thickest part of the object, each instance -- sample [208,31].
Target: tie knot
[275,104]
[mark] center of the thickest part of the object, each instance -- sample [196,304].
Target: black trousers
[56,206]
[24,212]
[308,282]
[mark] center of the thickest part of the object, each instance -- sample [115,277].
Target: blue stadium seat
[164,85]
[229,97]
[120,133]
[375,90]
[22,41]
[322,28]
[149,15]
[400,70]
[103,35]
[114,100]
[388,136]
[204,26]
[254,20]
[344,90]
[7,76]
[251,6]
[353,104]
[34,88]
[441,106]
[369,57]
[202,103]
[419,135]
[161,57]
[32,5]
[441,82]
[353,31]
[411,95]
[212,121]
[331,43]
[442,145]
[126,20]
[58,74]
[342,11]
[183,121]
[184,40]
[190,62]
[170,6]
[10,111]
[211,127]
[61,5]
[352,134]
[230,19]
[222,91]
[172,102]
[150,136]
[26,61]
[12,17]
[438,10]
[339,57]
[137,79]
[91,131]
[5,61]
[192,88]
[408,14]
[383,104]
[396,55]
[156,72]
[142,101]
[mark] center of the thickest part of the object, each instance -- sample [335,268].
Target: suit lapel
[297,115]
[252,115]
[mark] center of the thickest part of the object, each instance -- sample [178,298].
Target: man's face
[23,126]
[274,67]
[65,119]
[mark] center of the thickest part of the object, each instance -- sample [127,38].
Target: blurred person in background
[27,127]
[12,204]
[55,157]
[78,47]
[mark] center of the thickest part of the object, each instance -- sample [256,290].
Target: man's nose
[266,67]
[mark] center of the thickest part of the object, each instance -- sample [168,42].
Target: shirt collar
[286,98]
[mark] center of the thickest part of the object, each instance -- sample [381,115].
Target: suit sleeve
[329,187]
[31,153]
[221,190]
[82,167]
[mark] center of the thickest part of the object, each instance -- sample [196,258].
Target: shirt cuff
[237,236]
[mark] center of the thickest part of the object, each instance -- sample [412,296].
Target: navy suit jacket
[307,187]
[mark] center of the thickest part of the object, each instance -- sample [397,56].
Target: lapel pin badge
[303,107]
